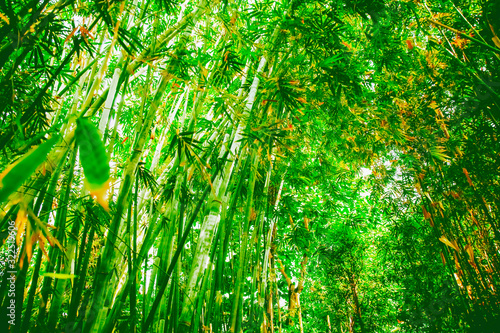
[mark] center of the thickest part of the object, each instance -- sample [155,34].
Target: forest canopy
[249,166]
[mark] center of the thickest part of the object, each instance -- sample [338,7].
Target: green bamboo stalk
[172,114]
[46,197]
[153,230]
[144,287]
[108,104]
[268,242]
[176,304]
[211,221]
[60,285]
[256,239]
[109,254]
[175,309]
[167,241]
[19,285]
[206,296]
[31,293]
[117,118]
[133,293]
[129,259]
[226,225]
[80,77]
[168,310]
[178,251]
[165,246]
[81,272]
[237,310]
[202,297]
[59,224]
[153,280]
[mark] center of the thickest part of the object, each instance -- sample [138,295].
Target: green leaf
[92,153]
[330,60]
[18,172]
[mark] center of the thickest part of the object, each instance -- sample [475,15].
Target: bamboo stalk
[175,258]
[47,205]
[237,311]
[109,254]
[60,285]
[81,274]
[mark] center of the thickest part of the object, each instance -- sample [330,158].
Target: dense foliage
[262,166]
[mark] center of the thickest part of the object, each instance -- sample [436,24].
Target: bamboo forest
[269,166]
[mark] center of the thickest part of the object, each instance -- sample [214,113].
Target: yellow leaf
[30,239]
[59,275]
[438,152]
[306,222]
[473,218]
[218,297]
[253,215]
[5,18]
[496,41]
[467,175]
[453,244]
[459,282]
[495,37]
[190,173]
[22,218]
[234,18]
[438,112]
[427,215]
[99,193]
[470,252]
[204,72]
[44,231]
[442,258]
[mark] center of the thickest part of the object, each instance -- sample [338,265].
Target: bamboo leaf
[92,153]
[18,172]
[452,244]
[94,160]
[59,275]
